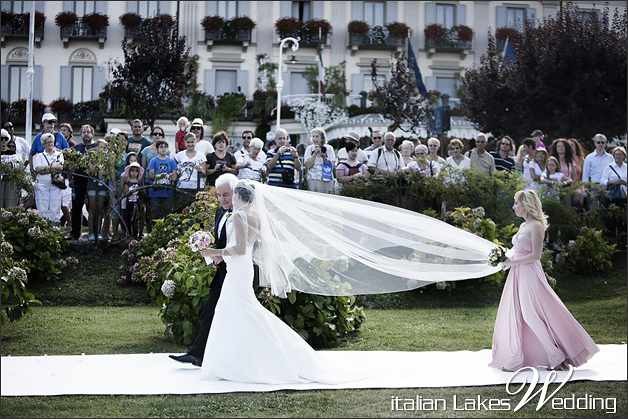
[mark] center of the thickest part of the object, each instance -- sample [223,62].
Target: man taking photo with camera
[282,163]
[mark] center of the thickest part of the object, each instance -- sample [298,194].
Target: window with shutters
[302,10]
[148,8]
[82,81]
[17,82]
[374,12]
[446,15]
[226,82]
[82,8]
[298,83]
[227,9]
[448,86]
[515,17]
[17,6]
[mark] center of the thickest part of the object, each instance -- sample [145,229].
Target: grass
[421,321]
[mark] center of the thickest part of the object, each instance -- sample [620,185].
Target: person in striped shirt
[283,162]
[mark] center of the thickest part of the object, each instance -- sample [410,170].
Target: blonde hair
[188,136]
[47,136]
[407,143]
[532,205]
[184,120]
[620,149]
[555,161]
[321,133]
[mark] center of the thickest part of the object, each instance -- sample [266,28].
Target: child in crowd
[132,203]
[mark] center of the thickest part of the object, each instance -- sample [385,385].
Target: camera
[323,149]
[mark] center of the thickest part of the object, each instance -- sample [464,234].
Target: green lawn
[420,321]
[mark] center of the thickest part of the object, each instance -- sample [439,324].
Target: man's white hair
[228,179]
[390,134]
[282,131]
[257,143]
[599,137]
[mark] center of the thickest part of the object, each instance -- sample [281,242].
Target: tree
[335,82]
[398,98]
[568,78]
[153,77]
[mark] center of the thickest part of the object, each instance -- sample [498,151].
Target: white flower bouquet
[201,240]
[497,256]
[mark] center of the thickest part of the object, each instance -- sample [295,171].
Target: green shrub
[34,240]
[589,253]
[15,299]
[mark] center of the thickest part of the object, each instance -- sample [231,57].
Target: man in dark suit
[224,192]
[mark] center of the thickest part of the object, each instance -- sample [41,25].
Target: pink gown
[533,327]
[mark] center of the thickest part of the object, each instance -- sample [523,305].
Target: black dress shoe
[187,358]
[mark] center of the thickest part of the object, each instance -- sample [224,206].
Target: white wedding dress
[247,343]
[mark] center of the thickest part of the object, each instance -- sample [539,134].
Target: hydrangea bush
[36,241]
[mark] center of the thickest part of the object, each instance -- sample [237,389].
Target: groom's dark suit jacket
[209,306]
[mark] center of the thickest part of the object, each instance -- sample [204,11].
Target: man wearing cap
[352,137]
[48,122]
[137,142]
[21,146]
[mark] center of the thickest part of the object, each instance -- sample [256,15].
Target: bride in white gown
[297,239]
[246,342]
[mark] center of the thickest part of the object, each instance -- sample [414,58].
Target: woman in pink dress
[533,327]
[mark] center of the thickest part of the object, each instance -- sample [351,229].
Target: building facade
[76,65]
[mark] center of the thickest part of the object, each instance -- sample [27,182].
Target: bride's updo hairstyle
[532,205]
[245,192]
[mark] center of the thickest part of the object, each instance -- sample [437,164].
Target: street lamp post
[295,46]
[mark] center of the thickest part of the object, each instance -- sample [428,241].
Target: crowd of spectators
[151,181]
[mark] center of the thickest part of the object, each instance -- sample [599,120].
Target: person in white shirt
[407,152]
[253,167]
[597,161]
[21,146]
[422,164]
[386,158]
[614,177]
[190,168]
[243,153]
[377,139]
[202,146]
[362,155]
[47,164]
[457,160]
[433,147]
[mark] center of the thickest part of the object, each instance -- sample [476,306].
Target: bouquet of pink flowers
[201,240]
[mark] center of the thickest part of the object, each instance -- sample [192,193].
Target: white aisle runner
[158,374]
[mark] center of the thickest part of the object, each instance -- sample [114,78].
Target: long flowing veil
[334,245]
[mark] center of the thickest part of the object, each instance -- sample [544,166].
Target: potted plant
[66,19]
[96,22]
[318,29]
[130,21]
[357,31]
[213,26]
[288,26]
[398,30]
[162,21]
[464,33]
[435,32]
[243,26]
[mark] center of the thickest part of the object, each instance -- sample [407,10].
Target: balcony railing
[17,28]
[228,36]
[81,31]
[450,43]
[377,37]
[307,38]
